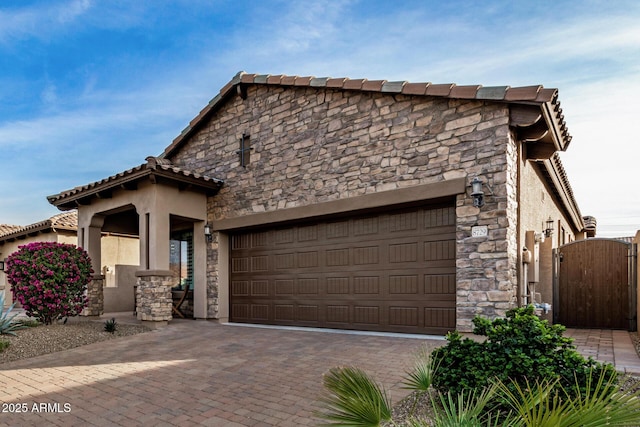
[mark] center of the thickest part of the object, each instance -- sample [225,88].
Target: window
[245,150]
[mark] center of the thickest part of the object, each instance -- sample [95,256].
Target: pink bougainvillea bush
[49,279]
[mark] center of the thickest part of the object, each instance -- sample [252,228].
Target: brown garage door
[391,271]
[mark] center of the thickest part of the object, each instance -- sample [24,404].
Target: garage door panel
[386,272]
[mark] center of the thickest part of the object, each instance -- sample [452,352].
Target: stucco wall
[10,247]
[538,204]
[118,250]
[312,146]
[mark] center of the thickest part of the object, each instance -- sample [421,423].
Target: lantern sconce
[477,193]
[207,232]
[1,265]
[548,231]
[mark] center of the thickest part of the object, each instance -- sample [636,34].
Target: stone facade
[153,295]
[317,145]
[95,296]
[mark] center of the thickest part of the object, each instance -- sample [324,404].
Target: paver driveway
[196,373]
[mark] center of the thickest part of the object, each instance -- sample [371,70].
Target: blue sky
[90,88]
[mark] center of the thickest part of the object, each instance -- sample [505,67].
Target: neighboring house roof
[154,169]
[8,228]
[65,221]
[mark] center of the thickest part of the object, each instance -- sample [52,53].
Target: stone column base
[95,295]
[153,296]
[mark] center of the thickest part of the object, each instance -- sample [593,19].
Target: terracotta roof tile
[440,89]
[373,85]
[288,80]
[303,81]
[355,84]
[524,93]
[62,221]
[547,95]
[415,88]
[8,229]
[464,92]
[247,78]
[275,80]
[336,83]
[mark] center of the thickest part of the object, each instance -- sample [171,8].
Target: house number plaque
[479,231]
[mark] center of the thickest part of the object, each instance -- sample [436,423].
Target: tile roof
[62,221]
[8,228]
[531,95]
[154,166]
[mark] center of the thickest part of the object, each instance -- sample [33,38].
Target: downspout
[519,269]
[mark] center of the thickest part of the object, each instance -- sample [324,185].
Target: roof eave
[127,179]
[560,183]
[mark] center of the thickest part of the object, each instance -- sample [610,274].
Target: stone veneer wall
[317,145]
[95,296]
[153,295]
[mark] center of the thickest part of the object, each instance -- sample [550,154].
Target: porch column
[153,295]
[153,292]
[95,296]
[199,271]
[95,293]
[94,241]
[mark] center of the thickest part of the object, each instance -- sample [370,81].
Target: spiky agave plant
[8,324]
[420,379]
[465,410]
[542,405]
[353,399]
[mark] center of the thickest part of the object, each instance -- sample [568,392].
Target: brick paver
[205,373]
[196,372]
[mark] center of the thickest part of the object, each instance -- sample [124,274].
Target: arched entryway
[159,203]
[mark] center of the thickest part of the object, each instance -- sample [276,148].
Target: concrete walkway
[205,373]
[605,345]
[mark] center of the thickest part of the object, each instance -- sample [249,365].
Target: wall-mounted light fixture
[548,231]
[207,232]
[1,265]
[477,193]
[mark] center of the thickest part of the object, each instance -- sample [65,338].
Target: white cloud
[39,21]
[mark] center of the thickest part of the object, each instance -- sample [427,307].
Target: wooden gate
[592,284]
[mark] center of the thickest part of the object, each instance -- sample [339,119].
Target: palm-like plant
[354,399]
[468,410]
[7,323]
[541,405]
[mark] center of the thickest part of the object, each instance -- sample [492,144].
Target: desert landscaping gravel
[44,339]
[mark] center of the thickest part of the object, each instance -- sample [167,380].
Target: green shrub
[518,348]
[4,344]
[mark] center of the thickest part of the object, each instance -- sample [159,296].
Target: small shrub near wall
[49,279]
[520,348]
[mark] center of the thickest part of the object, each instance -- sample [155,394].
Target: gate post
[555,266]
[633,287]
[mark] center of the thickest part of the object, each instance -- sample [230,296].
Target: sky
[90,88]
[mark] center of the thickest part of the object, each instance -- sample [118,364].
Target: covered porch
[166,208]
